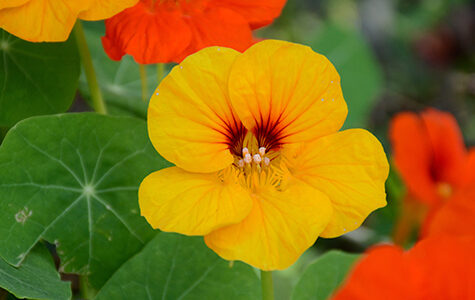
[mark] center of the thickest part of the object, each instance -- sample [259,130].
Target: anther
[257,158]
[245,151]
[262,151]
[240,163]
[266,161]
[247,158]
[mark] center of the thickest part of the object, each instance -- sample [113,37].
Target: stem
[86,292]
[160,72]
[267,286]
[96,96]
[143,80]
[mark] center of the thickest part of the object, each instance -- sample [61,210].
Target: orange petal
[427,150]
[192,204]
[378,275]
[103,9]
[257,12]
[455,217]
[190,120]
[286,91]
[449,153]
[280,227]
[12,3]
[435,269]
[350,167]
[217,26]
[468,174]
[150,37]
[441,268]
[42,20]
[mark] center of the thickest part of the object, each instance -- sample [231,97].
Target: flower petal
[156,37]
[427,150]
[257,12]
[192,204]
[104,9]
[448,147]
[435,268]
[280,227]
[378,275]
[42,20]
[287,89]
[217,26]
[12,3]
[350,167]
[191,122]
[456,217]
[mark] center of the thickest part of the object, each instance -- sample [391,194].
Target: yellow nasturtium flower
[261,169]
[53,20]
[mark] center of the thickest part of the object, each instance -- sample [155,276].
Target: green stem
[143,80]
[160,72]
[96,96]
[267,286]
[86,292]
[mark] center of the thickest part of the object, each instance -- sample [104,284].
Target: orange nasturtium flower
[53,20]
[261,169]
[439,268]
[457,215]
[430,155]
[162,31]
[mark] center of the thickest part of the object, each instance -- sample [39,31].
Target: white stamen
[262,151]
[266,161]
[240,163]
[257,158]
[245,151]
[247,158]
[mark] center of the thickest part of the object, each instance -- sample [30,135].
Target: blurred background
[392,56]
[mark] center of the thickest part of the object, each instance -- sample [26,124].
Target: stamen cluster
[257,159]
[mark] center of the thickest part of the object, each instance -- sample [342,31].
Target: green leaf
[324,276]
[72,180]
[361,77]
[119,80]
[176,267]
[37,277]
[36,78]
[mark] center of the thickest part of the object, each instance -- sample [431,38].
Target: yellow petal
[288,88]
[11,3]
[192,204]
[280,227]
[42,20]
[105,9]
[350,167]
[190,119]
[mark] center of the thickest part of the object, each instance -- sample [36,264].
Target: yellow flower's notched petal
[42,20]
[280,227]
[350,167]
[190,118]
[289,87]
[190,203]
[105,9]
[11,3]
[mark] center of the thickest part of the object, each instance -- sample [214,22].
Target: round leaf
[72,180]
[37,277]
[177,267]
[36,78]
